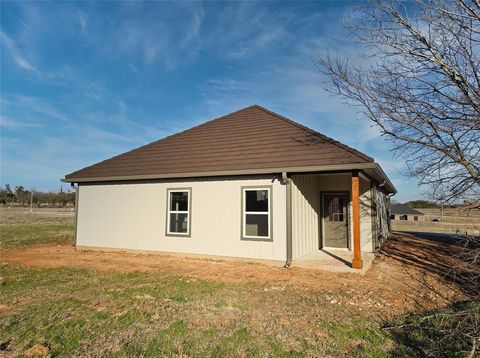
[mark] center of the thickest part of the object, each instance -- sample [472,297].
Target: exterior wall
[306,210]
[305,214]
[366,223]
[410,217]
[133,216]
[380,217]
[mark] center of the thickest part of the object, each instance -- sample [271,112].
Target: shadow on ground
[452,331]
[442,255]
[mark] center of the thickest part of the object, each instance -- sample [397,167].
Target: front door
[335,220]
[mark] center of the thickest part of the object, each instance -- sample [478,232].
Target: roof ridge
[305,128]
[162,139]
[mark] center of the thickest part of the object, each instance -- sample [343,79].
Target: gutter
[288,182]
[373,168]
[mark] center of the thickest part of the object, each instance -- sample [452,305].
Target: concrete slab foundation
[334,261]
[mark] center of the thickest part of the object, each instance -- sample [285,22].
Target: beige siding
[133,216]
[366,224]
[306,206]
[305,209]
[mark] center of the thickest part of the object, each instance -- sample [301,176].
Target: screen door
[335,220]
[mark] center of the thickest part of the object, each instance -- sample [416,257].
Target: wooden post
[357,262]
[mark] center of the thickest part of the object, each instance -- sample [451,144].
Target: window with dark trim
[178,213]
[256,213]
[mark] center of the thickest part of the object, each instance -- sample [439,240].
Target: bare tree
[421,88]
[419,83]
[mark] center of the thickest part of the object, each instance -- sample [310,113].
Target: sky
[83,81]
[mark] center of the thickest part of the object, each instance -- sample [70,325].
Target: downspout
[389,221]
[288,182]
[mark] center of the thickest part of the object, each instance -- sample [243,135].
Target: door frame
[322,226]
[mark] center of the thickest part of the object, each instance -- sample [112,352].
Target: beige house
[250,184]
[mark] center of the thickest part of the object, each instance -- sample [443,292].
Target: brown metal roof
[251,139]
[402,209]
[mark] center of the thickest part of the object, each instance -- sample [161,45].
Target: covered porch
[334,223]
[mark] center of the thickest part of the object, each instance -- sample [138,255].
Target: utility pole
[31,201]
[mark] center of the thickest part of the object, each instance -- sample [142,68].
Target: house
[404,212]
[250,184]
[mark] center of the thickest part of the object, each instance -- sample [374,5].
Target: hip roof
[252,139]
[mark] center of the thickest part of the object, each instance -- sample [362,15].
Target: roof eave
[379,175]
[373,169]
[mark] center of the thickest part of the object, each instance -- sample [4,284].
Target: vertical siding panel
[314,214]
[310,216]
[305,214]
[306,209]
[297,217]
[313,246]
[303,218]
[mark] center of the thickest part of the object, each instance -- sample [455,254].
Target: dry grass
[57,301]
[19,227]
[453,221]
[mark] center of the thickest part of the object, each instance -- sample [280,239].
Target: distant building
[400,212]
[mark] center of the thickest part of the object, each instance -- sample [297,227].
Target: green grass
[29,234]
[84,312]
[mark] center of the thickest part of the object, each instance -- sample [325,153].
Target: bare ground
[411,273]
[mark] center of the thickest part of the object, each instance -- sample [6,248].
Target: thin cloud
[82,19]
[16,55]
[130,73]
[12,124]
[37,106]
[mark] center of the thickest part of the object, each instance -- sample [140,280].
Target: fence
[433,226]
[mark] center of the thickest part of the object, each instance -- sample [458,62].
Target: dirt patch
[38,350]
[409,274]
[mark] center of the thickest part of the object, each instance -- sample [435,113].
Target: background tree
[39,198]
[6,195]
[421,88]
[422,204]
[21,195]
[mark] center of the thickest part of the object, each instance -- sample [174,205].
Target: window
[336,208]
[178,215]
[403,217]
[256,213]
[392,217]
[415,218]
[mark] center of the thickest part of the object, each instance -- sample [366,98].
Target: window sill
[178,235]
[243,238]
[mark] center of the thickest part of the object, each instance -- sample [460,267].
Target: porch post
[357,262]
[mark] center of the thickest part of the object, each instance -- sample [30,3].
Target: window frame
[188,212]
[269,213]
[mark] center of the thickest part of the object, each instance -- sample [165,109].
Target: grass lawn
[81,311]
[20,228]
[14,235]
[87,313]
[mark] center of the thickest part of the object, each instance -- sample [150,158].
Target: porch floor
[333,261]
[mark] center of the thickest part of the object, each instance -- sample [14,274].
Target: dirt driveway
[411,273]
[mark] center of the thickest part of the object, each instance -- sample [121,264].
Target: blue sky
[83,81]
